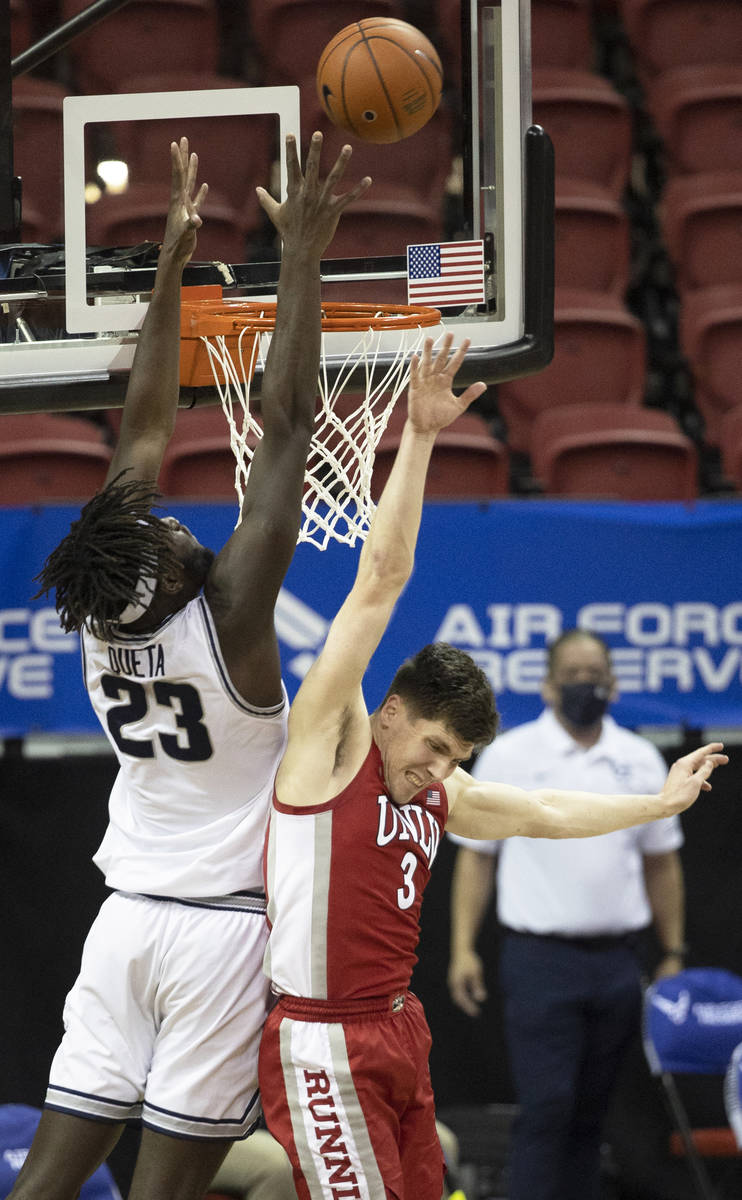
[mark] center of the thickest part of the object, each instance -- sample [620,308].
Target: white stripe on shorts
[328,1122]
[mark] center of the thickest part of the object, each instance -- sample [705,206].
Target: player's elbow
[548,819]
[387,570]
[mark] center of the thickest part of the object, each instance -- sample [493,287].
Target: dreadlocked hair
[96,567]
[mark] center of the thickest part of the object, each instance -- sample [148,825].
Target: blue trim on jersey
[237,902]
[171,1112]
[92,1096]
[229,688]
[144,637]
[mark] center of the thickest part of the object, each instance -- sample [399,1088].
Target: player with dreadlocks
[96,568]
[181,664]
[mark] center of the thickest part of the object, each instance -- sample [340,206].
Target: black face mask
[583,704]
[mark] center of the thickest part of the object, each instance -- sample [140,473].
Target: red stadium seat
[20,27]
[199,459]
[599,358]
[730,441]
[235,153]
[290,35]
[421,163]
[46,458]
[589,123]
[711,338]
[698,113]
[681,33]
[613,451]
[468,463]
[37,122]
[385,221]
[702,222]
[561,34]
[143,36]
[591,238]
[138,215]
[446,37]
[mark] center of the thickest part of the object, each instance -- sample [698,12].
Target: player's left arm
[247,575]
[153,390]
[483,809]
[328,709]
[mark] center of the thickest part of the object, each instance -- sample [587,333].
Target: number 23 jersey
[345,882]
[189,806]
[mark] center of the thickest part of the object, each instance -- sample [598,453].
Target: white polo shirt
[576,887]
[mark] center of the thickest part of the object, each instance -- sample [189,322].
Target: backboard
[72,301]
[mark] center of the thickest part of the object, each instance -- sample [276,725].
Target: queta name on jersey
[410,823]
[144,662]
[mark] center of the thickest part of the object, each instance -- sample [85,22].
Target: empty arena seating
[730,442]
[561,33]
[698,114]
[235,153]
[199,461]
[143,36]
[37,123]
[591,238]
[290,35]
[589,123]
[623,452]
[138,215]
[421,163]
[678,33]
[385,221]
[46,458]
[599,357]
[468,463]
[711,338]
[20,27]
[702,217]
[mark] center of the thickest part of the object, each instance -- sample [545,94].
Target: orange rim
[202,318]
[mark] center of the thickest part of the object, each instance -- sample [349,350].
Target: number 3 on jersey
[190,742]
[406,894]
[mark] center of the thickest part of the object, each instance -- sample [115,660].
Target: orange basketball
[380,79]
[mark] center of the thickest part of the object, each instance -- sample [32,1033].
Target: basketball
[380,79]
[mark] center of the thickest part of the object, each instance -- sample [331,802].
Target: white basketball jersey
[189,807]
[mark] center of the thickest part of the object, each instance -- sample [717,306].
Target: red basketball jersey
[345,882]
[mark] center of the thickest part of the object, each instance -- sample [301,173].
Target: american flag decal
[432,796]
[445,274]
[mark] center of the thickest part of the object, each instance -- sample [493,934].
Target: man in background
[571,913]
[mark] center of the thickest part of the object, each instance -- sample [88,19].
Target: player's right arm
[153,390]
[328,723]
[245,580]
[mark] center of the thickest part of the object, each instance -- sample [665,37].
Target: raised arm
[248,572]
[329,708]
[482,809]
[152,393]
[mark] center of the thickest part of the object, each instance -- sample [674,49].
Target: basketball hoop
[223,341]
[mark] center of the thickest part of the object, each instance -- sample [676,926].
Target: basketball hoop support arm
[535,349]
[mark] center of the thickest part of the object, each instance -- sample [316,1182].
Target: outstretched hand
[689,776]
[310,213]
[183,218]
[431,404]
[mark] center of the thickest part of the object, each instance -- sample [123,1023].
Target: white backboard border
[79,111]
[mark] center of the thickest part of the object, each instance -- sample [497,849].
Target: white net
[337,500]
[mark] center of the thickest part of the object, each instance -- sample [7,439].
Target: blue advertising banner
[662,583]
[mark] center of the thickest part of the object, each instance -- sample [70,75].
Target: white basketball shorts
[164,1020]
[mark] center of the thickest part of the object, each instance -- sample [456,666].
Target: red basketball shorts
[346,1090]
